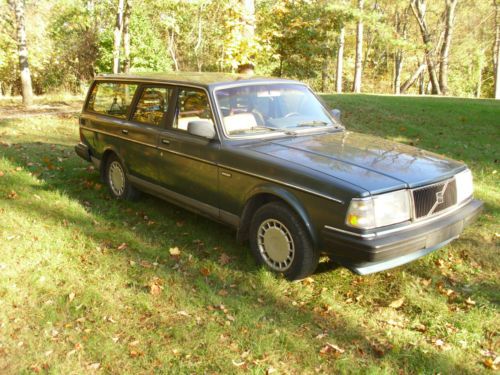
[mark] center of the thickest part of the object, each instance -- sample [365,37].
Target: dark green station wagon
[268,158]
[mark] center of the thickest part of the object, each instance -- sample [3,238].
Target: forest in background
[444,47]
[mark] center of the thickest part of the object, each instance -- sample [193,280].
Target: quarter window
[112,98]
[192,105]
[152,105]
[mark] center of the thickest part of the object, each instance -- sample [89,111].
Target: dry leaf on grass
[205,271]
[155,286]
[122,246]
[224,259]
[397,303]
[174,251]
[331,349]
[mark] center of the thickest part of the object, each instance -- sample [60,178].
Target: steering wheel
[292,114]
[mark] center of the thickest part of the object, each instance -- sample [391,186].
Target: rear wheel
[117,180]
[279,241]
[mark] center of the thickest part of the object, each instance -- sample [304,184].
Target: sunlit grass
[89,284]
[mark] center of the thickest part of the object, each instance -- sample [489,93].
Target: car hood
[372,163]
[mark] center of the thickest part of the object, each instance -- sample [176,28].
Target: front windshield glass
[260,109]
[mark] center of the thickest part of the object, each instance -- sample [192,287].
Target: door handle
[124,131]
[165,141]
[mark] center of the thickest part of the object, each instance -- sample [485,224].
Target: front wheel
[117,180]
[279,240]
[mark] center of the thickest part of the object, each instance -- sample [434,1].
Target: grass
[89,284]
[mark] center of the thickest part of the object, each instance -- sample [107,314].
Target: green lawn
[89,284]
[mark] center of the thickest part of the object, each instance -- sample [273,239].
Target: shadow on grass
[200,239]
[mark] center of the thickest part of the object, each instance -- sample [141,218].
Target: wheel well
[251,207]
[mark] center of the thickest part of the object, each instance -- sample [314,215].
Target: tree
[496,49]
[419,9]
[401,26]
[126,36]
[27,91]
[445,48]
[358,67]
[118,36]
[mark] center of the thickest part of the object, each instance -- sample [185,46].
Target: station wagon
[267,157]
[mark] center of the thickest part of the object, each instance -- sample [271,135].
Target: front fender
[289,198]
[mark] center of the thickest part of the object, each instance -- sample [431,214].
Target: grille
[432,199]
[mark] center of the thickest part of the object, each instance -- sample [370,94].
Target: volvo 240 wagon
[267,157]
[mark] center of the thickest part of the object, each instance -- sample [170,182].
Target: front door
[189,163]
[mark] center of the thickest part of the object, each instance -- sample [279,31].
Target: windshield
[260,109]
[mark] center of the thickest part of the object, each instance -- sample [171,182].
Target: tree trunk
[171,48]
[325,76]
[496,49]
[126,36]
[249,19]
[118,36]
[413,78]
[27,90]
[401,28]
[340,60]
[398,69]
[356,87]
[419,7]
[445,48]
[479,83]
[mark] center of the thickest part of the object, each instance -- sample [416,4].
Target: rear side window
[152,105]
[110,98]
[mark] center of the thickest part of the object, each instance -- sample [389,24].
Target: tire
[117,181]
[280,242]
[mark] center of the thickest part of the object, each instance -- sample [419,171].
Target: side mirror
[201,128]
[336,113]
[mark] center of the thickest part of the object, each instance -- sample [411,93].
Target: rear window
[111,98]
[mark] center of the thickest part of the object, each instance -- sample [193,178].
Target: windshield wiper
[312,123]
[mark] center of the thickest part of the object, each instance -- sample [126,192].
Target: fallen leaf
[397,303]
[12,195]
[123,246]
[308,281]
[94,366]
[222,293]
[174,251]
[205,271]
[155,286]
[420,327]
[470,302]
[224,259]
[1,174]
[71,296]
[146,264]
[331,349]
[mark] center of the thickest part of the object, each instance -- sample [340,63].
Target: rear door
[149,113]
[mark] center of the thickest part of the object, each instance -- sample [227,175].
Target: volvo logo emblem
[439,197]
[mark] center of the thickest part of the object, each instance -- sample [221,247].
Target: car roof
[204,79]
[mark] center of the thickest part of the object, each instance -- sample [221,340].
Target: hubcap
[276,244]
[116,178]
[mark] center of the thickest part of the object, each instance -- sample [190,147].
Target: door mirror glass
[201,128]
[336,113]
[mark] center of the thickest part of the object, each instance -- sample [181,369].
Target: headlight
[464,185]
[379,210]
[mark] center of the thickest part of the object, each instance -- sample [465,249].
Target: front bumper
[389,250]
